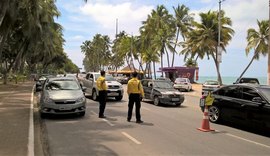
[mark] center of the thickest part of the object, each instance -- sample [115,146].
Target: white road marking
[93,112]
[30,149]
[108,122]
[250,141]
[131,138]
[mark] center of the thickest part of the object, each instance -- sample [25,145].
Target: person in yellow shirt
[135,93]
[102,93]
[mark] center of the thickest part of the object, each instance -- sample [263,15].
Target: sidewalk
[15,104]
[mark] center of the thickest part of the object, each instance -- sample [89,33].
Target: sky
[81,21]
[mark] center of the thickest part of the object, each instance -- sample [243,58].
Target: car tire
[156,101]
[214,114]
[94,95]
[118,98]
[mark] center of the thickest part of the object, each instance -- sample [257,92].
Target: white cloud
[129,17]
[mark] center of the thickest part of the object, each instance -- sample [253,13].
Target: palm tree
[183,21]
[160,28]
[259,41]
[203,40]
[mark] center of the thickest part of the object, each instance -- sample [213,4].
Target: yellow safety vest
[134,86]
[101,83]
[209,99]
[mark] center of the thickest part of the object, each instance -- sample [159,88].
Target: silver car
[62,95]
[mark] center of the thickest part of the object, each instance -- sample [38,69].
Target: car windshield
[62,85]
[265,92]
[180,80]
[107,77]
[211,83]
[163,84]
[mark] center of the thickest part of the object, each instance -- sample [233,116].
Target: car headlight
[81,99]
[48,100]
[121,86]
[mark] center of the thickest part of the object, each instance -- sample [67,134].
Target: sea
[227,80]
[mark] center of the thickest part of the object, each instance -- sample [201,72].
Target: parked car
[247,80]
[209,86]
[122,79]
[115,89]
[242,103]
[182,84]
[62,95]
[161,92]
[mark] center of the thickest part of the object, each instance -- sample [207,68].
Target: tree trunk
[218,71]
[177,36]
[161,61]
[154,66]
[268,70]
[255,54]
[168,58]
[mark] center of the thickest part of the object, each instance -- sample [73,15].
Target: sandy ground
[196,90]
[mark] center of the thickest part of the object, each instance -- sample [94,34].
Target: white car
[182,84]
[115,89]
[209,86]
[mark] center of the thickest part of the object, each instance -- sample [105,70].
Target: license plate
[202,102]
[65,108]
[113,94]
[175,99]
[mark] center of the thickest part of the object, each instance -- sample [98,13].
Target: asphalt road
[166,130]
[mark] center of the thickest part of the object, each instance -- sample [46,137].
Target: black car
[247,80]
[242,103]
[161,92]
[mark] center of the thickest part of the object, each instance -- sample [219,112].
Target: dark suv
[247,80]
[246,104]
[162,92]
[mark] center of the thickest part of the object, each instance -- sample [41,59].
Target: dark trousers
[102,101]
[134,98]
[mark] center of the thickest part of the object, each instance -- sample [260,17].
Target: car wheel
[118,98]
[94,95]
[156,101]
[214,114]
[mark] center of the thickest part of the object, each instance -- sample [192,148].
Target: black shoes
[128,120]
[103,116]
[139,121]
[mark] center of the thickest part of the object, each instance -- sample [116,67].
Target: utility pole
[116,28]
[219,50]
[268,70]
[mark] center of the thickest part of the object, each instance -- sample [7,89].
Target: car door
[230,103]
[256,111]
[146,88]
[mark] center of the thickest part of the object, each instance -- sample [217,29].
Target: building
[192,73]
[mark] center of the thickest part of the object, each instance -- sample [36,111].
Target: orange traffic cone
[205,123]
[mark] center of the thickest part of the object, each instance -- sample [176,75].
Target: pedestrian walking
[102,92]
[135,93]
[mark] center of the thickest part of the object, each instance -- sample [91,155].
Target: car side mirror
[84,89]
[258,100]
[38,88]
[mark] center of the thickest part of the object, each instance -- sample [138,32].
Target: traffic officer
[102,92]
[135,93]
